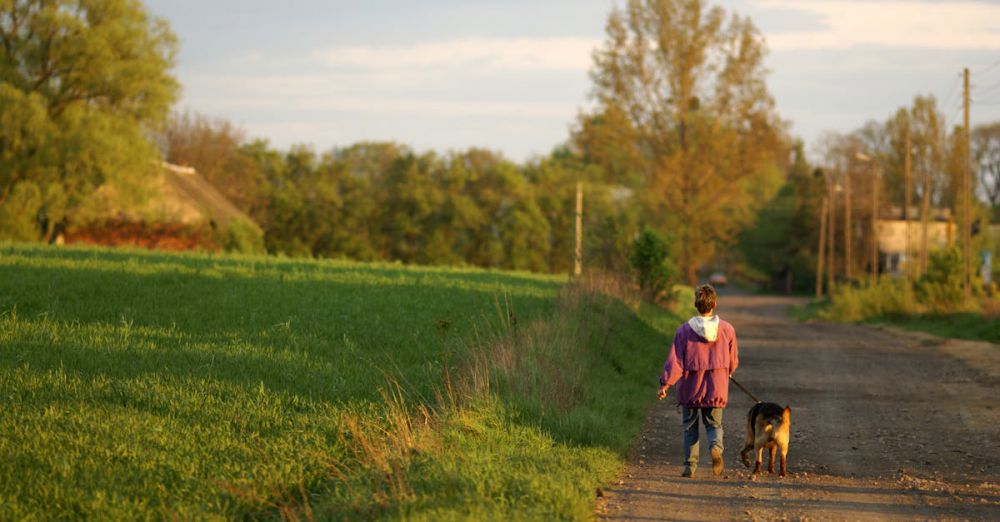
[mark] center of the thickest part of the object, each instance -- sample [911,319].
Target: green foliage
[937,292]
[205,386]
[935,305]
[966,325]
[785,234]
[888,298]
[80,83]
[24,131]
[650,259]
[19,213]
[382,201]
[940,289]
[242,237]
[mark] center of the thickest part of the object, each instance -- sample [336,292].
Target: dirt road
[885,425]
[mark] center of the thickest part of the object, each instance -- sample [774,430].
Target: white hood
[707,327]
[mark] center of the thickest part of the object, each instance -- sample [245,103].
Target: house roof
[193,198]
[177,194]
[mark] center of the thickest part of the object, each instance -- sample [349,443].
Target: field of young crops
[137,384]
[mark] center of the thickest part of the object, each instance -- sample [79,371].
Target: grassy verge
[971,326]
[137,385]
[933,302]
[892,302]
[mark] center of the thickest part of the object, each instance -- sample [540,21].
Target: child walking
[702,357]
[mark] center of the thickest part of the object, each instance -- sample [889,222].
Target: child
[702,357]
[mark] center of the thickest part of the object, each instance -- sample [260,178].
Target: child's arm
[734,354]
[672,369]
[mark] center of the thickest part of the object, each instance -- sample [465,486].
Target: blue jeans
[712,417]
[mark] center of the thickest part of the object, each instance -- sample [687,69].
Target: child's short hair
[704,299]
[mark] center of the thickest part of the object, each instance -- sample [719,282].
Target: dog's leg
[784,453]
[772,452]
[760,458]
[748,440]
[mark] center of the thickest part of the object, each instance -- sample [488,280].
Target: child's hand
[662,393]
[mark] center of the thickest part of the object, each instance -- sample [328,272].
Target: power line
[988,67]
[988,95]
[988,89]
[954,89]
[950,120]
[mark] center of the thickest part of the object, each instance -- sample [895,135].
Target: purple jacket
[701,368]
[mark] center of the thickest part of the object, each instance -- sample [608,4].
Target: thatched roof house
[180,210]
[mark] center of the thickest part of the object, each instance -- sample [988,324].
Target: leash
[746,391]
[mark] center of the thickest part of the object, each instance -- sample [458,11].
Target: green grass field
[150,385]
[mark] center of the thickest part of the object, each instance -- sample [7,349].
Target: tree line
[384,201]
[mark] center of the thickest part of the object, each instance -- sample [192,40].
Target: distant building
[183,211]
[942,232]
[892,241]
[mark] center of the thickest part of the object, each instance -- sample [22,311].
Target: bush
[889,297]
[940,289]
[650,258]
[243,237]
[19,213]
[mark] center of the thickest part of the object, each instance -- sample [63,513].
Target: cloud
[846,24]
[321,93]
[493,54]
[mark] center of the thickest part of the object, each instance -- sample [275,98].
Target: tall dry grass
[542,362]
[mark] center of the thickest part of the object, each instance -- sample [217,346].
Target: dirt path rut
[885,425]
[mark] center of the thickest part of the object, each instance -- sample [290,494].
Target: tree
[650,259]
[81,81]
[295,217]
[493,185]
[928,139]
[409,201]
[781,246]
[685,91]
[986,161]
[213,148]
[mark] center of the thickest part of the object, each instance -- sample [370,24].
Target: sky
[512,75]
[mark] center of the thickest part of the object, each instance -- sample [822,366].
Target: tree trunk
[6,193]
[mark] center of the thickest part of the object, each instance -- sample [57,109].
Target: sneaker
[688,472]
[717,464]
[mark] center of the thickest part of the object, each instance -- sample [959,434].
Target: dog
[768,426]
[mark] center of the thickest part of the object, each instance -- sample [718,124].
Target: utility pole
[874,171]
[578,257]
[847,223]
[925,212]
[822,248]
[830,240]
[906,206]
[966,194]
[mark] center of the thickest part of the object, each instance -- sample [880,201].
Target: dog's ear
[788,410]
